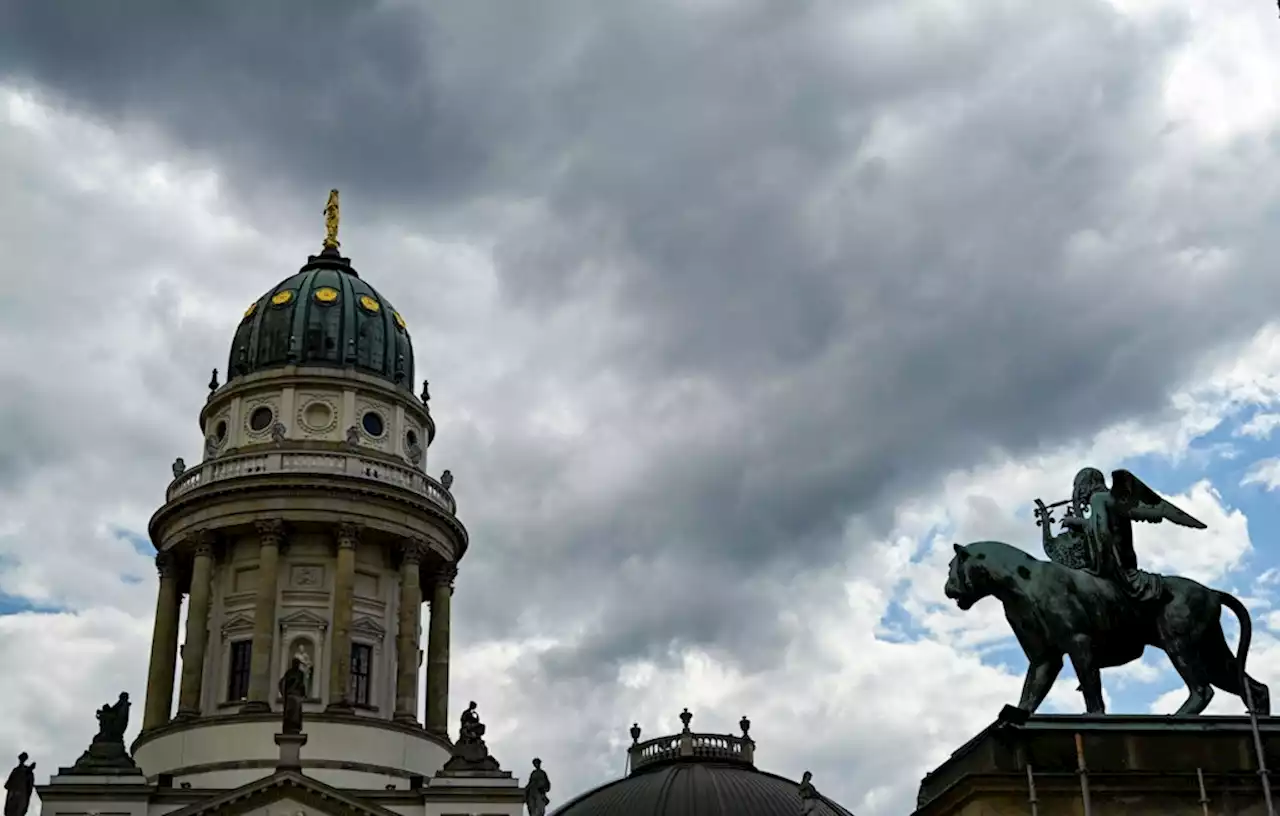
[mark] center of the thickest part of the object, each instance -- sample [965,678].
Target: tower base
[1133,764]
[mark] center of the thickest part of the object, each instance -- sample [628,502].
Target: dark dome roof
[691,774]
[697,788]
[324,315]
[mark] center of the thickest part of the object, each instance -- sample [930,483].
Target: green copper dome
[324,315]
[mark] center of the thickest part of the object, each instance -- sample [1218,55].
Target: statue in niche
[535,792]
[1091,603]
[18,787]
[302,656]
[808,794]
[293,688]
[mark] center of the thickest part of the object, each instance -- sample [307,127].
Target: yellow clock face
[326,294]
[369,304]
[399,320]
[253,307]
[281,298]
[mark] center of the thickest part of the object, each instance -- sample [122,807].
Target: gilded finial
[331,221]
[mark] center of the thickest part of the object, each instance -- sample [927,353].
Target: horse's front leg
[1087,672]
[1041,674]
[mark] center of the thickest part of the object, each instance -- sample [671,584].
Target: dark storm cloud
[857,227]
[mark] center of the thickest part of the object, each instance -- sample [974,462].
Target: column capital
[412,550]
[445,576]
[202,542]
[166,565]
[270,531]
[347,535]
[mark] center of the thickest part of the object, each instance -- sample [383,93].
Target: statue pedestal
[472,759]
[290,751]
[1133,764]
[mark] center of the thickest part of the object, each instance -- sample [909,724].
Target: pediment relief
[283,794]
[368,627]
[304,619]
[237,624]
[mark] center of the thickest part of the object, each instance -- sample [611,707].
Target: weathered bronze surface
[1092,604]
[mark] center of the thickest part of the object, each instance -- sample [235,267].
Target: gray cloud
[827,251]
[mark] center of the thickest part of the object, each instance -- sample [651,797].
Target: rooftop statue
[1091,603]
[18,787]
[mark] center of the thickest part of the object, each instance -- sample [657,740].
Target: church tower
[309,532]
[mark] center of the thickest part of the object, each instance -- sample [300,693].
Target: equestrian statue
[1092,604]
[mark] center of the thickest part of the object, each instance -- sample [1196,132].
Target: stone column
[164,646]
[408,638]
[189,697]
[270,536]
[344,581]
[438,651]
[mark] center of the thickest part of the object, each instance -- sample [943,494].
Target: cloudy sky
[736,312]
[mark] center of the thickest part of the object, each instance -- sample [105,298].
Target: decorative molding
[445,575]
[348,534]
[306,576]
[237,624]
[368,627]
[303,619]
[309,400]
[412,550]
[203,541]
[166,566]
[270,532]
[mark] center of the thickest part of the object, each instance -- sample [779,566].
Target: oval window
[372,422]
[326,294]
[281,298]
[411,437]
[221,430]
[261,418]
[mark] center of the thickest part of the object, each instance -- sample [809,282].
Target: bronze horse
[1056,610]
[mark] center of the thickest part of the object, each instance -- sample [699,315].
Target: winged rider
[1098,530]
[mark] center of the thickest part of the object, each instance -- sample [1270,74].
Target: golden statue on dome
[331,221]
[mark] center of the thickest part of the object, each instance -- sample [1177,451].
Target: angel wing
[1141,503]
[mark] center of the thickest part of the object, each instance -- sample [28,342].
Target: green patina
[329,317]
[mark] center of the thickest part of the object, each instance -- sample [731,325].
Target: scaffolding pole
[1083,771]
[1031,793]
[1204,797]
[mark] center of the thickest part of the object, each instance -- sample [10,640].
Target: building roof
[691,774]
[697,788]
[324,315]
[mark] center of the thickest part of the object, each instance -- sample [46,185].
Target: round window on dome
[281,298]
[399,320]
[369,304]
[253,307]
[373,424]
[326,295]
[261,418]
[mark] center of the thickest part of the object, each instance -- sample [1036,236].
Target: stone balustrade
[351,465]
[719,747]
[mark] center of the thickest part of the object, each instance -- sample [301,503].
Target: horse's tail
[1246,636]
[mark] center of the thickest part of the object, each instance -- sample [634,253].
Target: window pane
[361,669]
[238,673]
